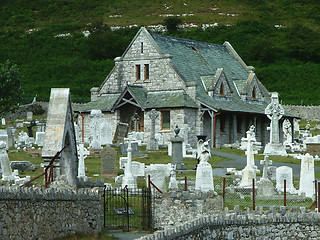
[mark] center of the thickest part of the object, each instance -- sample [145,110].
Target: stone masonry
[28,213]
[268,224]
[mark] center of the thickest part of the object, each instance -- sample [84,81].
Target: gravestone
[29,116]
[134,147]
[128,179]
[173,184]
[138,169]
[77,132]
[274,112]
[204,176]
[287,132]
[60,135]
[5,164]
[95,126]
[158,173]
[10,137]
[22,166]
[4,137]
[106,133]
[120,133]
[307,176]
[153,143]
[272,173]
[81,165]
[265,189]
[108,161]
[122,162]
[3,121]
[266,162]
[177,155]
[249,172]
[285,172]
[40,136]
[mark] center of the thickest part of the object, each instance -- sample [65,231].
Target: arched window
[221,89]
[254,95]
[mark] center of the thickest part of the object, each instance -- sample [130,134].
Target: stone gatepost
[177,155]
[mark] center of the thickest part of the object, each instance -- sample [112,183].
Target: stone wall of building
[28,213]
[177,207]
[311,113]
[271,224]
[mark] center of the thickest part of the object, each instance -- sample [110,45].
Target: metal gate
[128,209]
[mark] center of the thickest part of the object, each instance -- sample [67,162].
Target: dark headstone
[108,161]
[121,133]
[134,146]
[30,133]
[22,166]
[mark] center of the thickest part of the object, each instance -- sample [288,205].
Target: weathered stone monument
[4,137]
[287,132]
[108,161]
[274,112]
[121,133]
[60,135]
[5,164]
[173,184]
[152,144]
[249,172]
[106,133]
[285,172]
[158,173]
[95,125]
[177,156]
[265,185]
[29,116]
[204,176]
[128,179]
[81,165]
[307,176]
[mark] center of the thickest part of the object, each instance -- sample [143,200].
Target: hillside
[47,40]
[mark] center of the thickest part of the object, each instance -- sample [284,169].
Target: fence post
[253,196]
[224,189]
[318,196]
[104,206]
[316,193]
[285,192]
[185,183]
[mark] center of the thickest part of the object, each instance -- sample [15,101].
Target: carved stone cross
[274,112]
[266,162]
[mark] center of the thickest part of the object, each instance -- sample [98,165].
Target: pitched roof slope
[204,59]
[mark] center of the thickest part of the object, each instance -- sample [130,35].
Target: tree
[172,24]
[10,87]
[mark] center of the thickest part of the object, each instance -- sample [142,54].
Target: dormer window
[221,89]
[254,94]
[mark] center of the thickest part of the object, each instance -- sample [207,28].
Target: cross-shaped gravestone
[95,124]
[153,144]
[274,112]
[266,162]
[250,151]
[136,119]
[128,179]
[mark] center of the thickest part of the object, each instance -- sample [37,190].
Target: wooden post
[185,183]
[318,196]
[224,189]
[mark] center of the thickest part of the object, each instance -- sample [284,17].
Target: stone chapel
[204,85]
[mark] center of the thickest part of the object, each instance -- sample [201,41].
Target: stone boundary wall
[311,113]
[27,213]
[178,207]
[271,224]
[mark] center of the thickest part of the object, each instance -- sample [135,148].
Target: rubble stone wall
[27,213]
[271,224]
[177,208]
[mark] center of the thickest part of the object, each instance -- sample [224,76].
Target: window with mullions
[165,120]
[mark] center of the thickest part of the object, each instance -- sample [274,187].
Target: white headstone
[81,166]
[77,133]
[106,133]
[129,179]
[158,173]
[204,177]
[29,116]
[249,172]
[40,138]
[307,176]
[4,137]
[287,132]
[282,173]
[274,112]
[173,184]
[5,164]
[138,169]
[3,121]
[95,125]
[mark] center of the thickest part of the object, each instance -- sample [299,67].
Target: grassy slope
[286,59]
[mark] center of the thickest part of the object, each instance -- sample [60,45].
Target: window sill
[165,130]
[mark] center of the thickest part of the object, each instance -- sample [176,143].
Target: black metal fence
[128,209]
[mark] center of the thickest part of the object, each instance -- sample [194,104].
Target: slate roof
[103,103]
[203,59]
